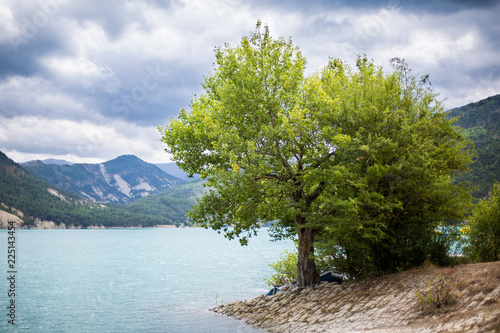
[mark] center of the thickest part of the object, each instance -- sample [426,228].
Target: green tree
[397,184]
[483,243]
[303,152]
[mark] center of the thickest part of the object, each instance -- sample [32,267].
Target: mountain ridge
[120,180]
[40,204]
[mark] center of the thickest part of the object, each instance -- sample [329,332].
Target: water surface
[132,280]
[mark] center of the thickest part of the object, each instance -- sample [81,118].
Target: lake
[132,280]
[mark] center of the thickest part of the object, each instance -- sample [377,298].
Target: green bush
[357,256]
[483,242]
[285,269]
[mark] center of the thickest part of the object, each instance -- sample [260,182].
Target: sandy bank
[6,217]
[384,304]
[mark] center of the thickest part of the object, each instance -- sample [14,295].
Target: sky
[89,80]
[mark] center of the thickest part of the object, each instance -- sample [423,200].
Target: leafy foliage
[483,233]
[262,150]
[285,269]
[358,160]
[397,183]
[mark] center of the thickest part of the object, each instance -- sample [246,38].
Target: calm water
[132,280]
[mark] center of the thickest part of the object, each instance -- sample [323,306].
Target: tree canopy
[341,151]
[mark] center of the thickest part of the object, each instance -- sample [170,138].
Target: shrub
[441,292]
[359,256]
[483,242]
[285,269]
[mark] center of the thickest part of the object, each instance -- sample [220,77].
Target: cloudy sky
[89,80]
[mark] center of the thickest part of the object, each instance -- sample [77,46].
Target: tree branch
[316,193]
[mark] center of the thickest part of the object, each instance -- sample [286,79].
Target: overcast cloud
[87,81]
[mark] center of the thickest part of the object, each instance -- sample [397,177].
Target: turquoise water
[132,280]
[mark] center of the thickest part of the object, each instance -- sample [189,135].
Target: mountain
[480,122]
[122,180]
[55,161]
[172,203]
[34,200]
[174,170]
[50,161]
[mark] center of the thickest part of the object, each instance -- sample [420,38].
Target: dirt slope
[384,304]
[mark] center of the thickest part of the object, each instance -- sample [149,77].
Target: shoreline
[384,304]
[16,216]
[50,225]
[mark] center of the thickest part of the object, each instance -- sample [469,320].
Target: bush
[483,243]
[441,292]
[357,256]
[285,269]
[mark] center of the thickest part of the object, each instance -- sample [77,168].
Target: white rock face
[44,224]
[98,192]
[144,186]
[107,178]
[87,196]
[57,194]
[123,186]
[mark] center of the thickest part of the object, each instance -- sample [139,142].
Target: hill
[480,122]
[122,180]
[172,203]
[54,161]
[34,200]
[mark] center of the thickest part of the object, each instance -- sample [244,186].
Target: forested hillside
[481,123]
[174,202]
[36,198]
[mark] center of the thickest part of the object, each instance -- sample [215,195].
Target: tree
[398,184]
[483,233]
[278,146]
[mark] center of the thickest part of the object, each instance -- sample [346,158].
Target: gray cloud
[90,80]
[420,6]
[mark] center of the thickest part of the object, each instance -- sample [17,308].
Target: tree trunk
[307,274]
